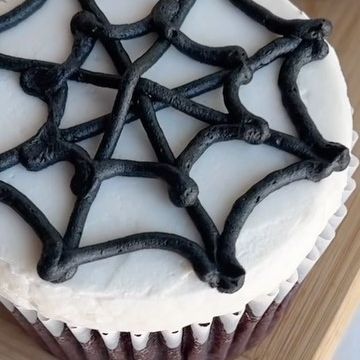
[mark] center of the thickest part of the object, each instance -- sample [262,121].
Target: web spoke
[301,42]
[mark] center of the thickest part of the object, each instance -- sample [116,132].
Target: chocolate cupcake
[170,171]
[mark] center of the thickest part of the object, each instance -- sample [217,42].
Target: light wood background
[329,297]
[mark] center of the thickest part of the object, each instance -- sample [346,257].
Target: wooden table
[330,295]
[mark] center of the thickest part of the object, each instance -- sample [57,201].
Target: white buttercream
[155,290]
[200,332]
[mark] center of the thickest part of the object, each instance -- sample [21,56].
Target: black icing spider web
[301,42]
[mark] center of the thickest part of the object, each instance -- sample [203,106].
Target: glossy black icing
[302,42]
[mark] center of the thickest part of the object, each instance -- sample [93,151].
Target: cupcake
[170,171]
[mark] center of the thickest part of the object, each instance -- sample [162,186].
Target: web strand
[301,42]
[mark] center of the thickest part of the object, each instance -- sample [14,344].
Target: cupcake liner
[226,337]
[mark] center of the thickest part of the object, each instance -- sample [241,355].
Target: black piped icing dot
[300,42]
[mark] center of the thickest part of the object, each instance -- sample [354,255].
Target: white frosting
[201,332]
[156,290]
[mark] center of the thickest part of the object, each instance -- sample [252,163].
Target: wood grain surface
[330,295]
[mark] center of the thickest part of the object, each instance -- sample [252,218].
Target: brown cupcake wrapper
[220,344]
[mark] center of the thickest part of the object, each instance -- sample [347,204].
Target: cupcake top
[206,170]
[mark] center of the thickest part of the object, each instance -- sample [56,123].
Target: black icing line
[166,9]
[309,51]
[177,97]
[88,23]
[202,220]
[196,211]
[305,29]
[216,263]
[117,121]
[307,130]
[114,48]
[19,13]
